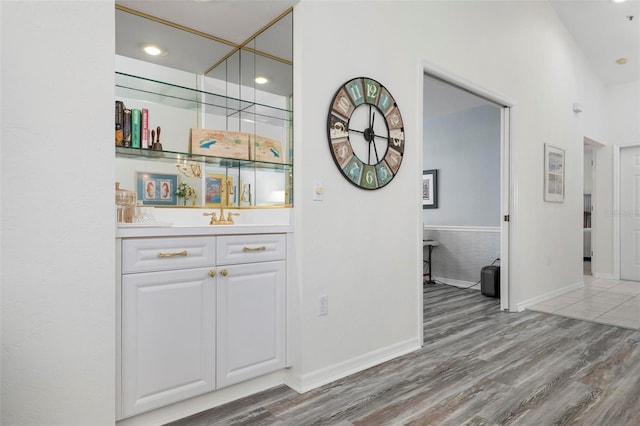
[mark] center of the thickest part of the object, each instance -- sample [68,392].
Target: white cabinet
[250,321]
[198,314]
[168,337]
[251,307]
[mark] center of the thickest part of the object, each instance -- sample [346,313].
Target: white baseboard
[555,293]
[604,276]
[204,402]
[461,228]
[315,379]
[458,283]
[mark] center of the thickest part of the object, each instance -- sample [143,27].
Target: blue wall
[465,149]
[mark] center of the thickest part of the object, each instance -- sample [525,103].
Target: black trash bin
[490,281]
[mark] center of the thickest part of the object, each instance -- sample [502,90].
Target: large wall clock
[366,133]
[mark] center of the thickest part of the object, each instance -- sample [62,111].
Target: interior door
[630,213]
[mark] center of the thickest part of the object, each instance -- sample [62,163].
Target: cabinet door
[250,321]
[168,337]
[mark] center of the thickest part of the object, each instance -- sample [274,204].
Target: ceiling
[601,29]
[604,33]
[216,28]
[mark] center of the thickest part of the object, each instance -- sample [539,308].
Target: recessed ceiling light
[618,1]
[261,80]
[153,50]
[621,61]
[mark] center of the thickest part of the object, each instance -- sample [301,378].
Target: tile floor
[600,300]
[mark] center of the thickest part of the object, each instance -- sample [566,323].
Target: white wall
[361,248]
[623,107]
[57,162]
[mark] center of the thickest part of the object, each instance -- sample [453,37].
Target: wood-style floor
[479,366]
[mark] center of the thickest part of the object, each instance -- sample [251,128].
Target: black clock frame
[351,95]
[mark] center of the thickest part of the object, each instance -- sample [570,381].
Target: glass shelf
[176,157]
[176,110]
[145,89]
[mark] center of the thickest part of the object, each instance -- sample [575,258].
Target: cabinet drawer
[235,249]
[162,254]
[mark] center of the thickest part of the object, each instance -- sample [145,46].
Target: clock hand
[375,150]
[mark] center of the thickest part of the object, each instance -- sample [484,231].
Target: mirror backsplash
[179,98]
[235,184]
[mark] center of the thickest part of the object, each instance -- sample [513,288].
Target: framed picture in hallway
[553,174]
[430,189]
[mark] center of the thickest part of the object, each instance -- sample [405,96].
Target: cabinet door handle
[212,273]
[224,272]
[249,249]
[178,253]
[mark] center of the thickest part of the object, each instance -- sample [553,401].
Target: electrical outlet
[323,305]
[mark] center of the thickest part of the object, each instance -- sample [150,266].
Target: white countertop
[158,230]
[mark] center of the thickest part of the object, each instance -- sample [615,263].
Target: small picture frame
[430,189]
[218,190]
[157,189]
[553,174]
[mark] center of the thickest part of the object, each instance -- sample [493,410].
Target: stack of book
[132,126]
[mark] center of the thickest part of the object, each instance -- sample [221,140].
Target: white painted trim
[462,228]
[606,276]
[458,283]
[616,212]
[315,379]
[418,198]
[439,72]
[207,401]
[506,207]
[544,297]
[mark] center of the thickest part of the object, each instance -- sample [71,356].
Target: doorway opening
[587,223]
[466,141]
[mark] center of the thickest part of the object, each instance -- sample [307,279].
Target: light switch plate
[318,190]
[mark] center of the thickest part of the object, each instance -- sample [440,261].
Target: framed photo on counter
[157,189]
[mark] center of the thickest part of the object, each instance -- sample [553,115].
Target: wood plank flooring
[479,366]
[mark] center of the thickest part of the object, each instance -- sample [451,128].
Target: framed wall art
[218,189]
[553,174]
[430,189]
[157,189]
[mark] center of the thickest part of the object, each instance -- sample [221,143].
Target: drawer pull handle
[212,273]
[178,253]
[250,249]
[224,272]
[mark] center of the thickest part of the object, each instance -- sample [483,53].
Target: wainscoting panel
[463,251]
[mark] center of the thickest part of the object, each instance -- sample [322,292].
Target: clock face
[366,133]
